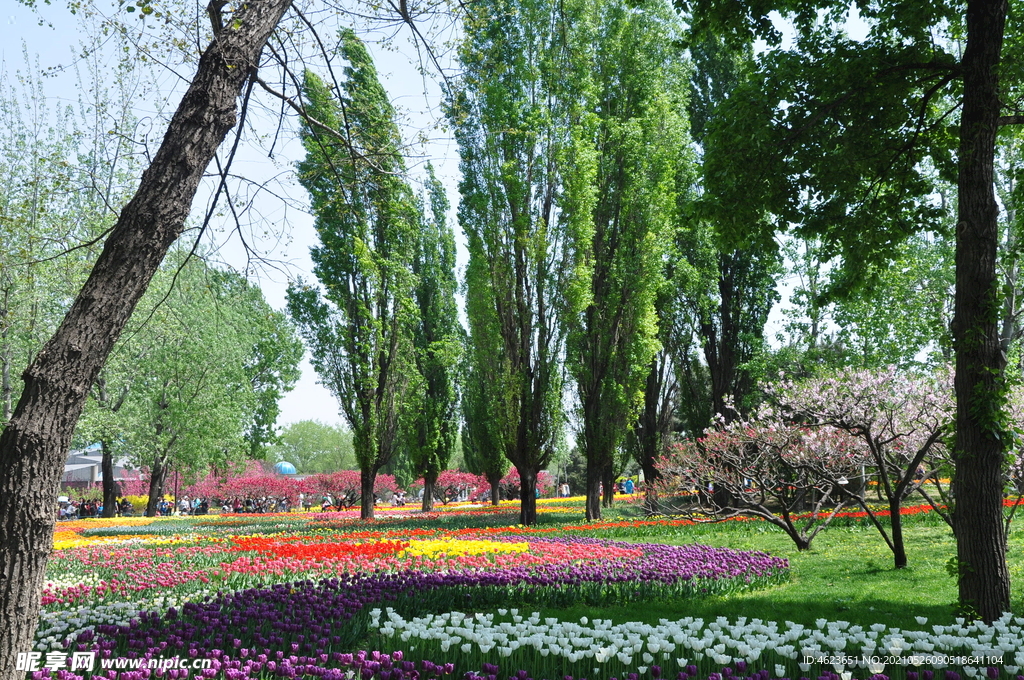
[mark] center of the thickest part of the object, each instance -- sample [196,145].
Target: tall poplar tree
[621,226]
[359,330]
[731,306]
[483,450]
[508,112]
[438,338]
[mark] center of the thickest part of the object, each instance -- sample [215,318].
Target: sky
[283,243]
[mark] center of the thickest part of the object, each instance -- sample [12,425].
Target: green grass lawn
[847,575]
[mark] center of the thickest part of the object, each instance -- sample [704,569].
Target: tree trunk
[157,477]
[366,480]
[428,492]
[652,478]
[979,452]
[527,497]
[6,389]
[495,490]
[608,479]
[654,424]
[593,503]
[34,445]
[801,543]
[899,548]
[109,485]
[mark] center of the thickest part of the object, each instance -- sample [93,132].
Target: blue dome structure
[284,468]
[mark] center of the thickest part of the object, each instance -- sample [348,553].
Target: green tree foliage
[482,453]
[272,367]
[34,166]
[621,226]
[1010,191]
[919,100]
[665,406]
[63,174]
[360,329]
[735,289]
[905,320]
[185,373]
[509,113]
[312,447]
[434,425]
[201,366]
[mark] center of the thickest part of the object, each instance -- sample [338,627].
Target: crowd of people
[262,504]
[185,506]
[80,509]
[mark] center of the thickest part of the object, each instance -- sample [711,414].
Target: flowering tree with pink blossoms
[452,484]
[901,419]
[345,486]
[249,479]
[211,485]
[510,485]
[134,483]
[787,474]
[267,485]
[813,451]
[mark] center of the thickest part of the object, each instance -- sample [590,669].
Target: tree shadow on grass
[769,606]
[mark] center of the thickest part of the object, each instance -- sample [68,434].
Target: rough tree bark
[366,498]
[157,480]
[495,482]
[527,496]
[110,487]
[34,444]
[983,578]
[429,480]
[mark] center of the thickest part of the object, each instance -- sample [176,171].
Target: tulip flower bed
[440,596]
[576,570]
[689,647]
